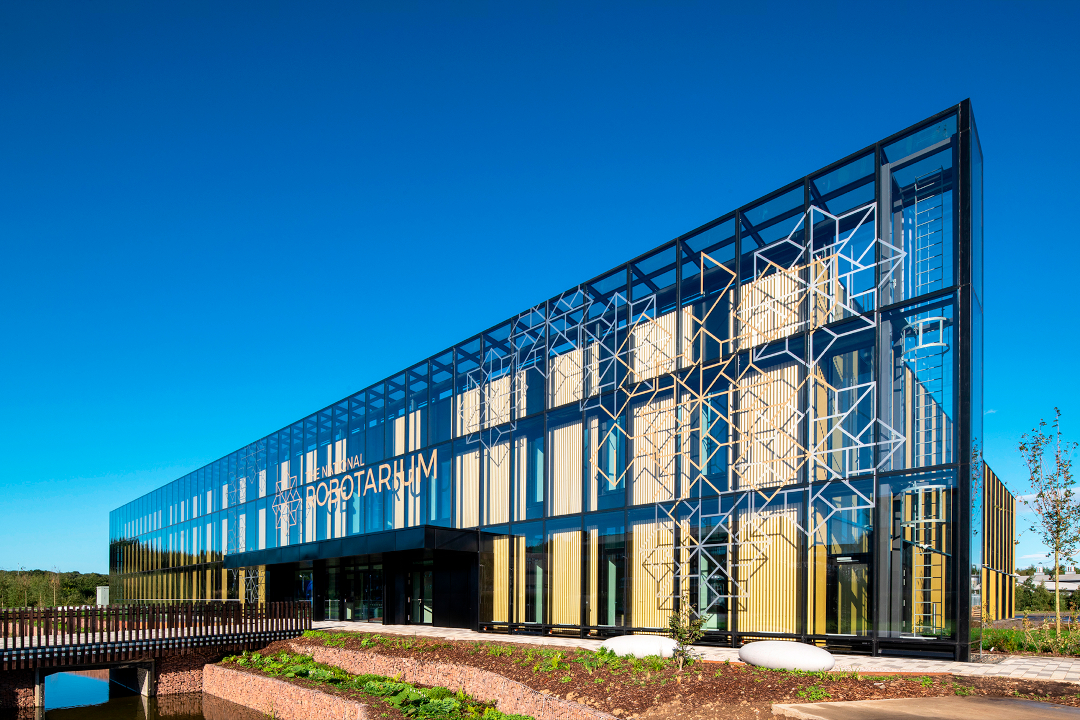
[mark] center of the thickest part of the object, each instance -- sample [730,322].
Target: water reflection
[89,696]
[87,687]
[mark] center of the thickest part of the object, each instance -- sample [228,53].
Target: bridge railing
[33,637]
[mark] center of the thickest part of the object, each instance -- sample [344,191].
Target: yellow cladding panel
[497,396]
[768,421]
[565,554]
[652,574]
[768,570]
[573,375]
[566,463]
[653,448]
[467,417]
[501,582]
[497,483]
[656,350]
[769,307]
[467,489]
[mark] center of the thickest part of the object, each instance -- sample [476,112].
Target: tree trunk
[1057,594]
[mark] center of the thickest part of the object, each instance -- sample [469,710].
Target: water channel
[90,696]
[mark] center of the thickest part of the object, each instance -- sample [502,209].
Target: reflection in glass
[918,388]
[840,565]
[417,407]
[442,398]
[919,194]
[530,572]
[529,474]
[842,402]
[920,555]
[605,457]
[606,553]
[708,275]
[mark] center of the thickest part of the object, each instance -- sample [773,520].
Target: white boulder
[640,645]
[784,655]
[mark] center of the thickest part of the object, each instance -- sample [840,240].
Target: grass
[437,703]
[1037,639]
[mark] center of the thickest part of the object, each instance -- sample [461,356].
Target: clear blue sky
[218,217]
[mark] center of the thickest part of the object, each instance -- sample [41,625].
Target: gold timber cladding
[999,548]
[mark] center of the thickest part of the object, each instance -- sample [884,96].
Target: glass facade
[770,418]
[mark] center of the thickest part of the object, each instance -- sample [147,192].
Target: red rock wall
[510,696]
[179,674]
[16,689]
[277,698]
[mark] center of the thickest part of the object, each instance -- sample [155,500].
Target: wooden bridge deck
[51,637]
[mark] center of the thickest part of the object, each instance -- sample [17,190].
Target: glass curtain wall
[774,419]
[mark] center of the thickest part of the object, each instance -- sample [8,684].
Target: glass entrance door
[369,593]
[420,596]
[333,594]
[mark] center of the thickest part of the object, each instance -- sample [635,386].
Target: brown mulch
[703,690]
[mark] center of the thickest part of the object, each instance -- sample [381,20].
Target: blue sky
[216,218]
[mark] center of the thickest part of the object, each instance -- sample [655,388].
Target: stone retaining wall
[277,698]
[510,696]
[179,674]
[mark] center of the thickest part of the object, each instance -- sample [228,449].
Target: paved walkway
[1014,666]
[936,708]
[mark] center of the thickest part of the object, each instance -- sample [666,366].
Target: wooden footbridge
[33,639]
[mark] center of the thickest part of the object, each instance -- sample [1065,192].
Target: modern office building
[769,418]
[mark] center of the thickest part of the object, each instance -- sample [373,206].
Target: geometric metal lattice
[746,406]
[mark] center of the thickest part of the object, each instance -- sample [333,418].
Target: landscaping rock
[640,645]
[783,655]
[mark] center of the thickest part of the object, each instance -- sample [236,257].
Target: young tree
[22,582]
[54,583]
[1055,504]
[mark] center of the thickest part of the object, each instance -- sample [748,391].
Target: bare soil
[704,690]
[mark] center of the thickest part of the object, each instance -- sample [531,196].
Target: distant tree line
[48,588]
[1035,597]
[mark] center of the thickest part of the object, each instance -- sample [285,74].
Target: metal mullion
[879,549]
[962,388]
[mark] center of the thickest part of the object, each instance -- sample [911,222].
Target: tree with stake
[54,583]
[1053,500]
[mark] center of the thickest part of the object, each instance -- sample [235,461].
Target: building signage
[403,473]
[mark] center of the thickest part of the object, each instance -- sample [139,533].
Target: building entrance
[354,592]
[421,583]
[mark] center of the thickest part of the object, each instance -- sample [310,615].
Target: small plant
[551,662]
[685,627]
[813,693]
[654,663]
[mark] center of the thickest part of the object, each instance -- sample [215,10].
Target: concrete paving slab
[932,708]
